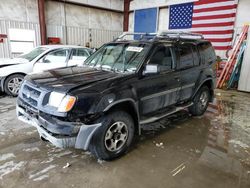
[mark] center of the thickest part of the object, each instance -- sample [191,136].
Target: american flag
[212,18]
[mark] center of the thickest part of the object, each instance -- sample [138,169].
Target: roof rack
[180,34]
[137,36]
[161,35]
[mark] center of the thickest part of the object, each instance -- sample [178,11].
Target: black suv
[125,84]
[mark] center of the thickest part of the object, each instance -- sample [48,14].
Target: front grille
[34,92]
[31,95]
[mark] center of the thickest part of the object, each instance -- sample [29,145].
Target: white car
[12,71]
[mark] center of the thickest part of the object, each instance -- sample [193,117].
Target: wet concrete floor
[181,151]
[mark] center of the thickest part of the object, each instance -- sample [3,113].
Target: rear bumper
[79,136]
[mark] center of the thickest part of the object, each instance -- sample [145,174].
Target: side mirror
[151,69]
[46,61]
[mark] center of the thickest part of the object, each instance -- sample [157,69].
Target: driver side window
[163,58]
[58,56]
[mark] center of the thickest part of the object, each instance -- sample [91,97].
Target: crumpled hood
[14,61]
[65,79]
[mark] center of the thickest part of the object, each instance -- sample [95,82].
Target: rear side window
[79,53]
[207,52]
[186,56]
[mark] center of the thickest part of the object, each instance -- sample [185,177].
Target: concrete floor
[208,151]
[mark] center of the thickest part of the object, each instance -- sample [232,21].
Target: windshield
[33,54]
[118,57]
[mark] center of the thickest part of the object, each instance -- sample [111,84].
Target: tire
[116,126]
[200,101]
[12,84]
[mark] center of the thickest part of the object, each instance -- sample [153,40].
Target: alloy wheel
[14,85]
[203,100]
[116,136]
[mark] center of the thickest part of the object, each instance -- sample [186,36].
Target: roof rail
[161,35]
[139,36]
[180,34]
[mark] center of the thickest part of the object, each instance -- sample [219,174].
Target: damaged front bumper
[55,131]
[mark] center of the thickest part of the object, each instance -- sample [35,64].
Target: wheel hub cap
[14,85]
[116,136]
[203,99]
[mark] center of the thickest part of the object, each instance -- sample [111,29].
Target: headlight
[67,104]
[62,102]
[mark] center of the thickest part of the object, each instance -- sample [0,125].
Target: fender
[135,106]
[120,101]
[197,89]
[2,80]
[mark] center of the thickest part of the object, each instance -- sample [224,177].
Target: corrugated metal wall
[244,81]
[68,35]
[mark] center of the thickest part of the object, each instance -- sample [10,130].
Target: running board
[155,118]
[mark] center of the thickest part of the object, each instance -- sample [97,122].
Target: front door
[52,60]
[161,90]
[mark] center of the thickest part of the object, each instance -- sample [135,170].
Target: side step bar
[155,118]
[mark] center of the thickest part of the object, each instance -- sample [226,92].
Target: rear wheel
[12,84]
[114,137]
[200,101]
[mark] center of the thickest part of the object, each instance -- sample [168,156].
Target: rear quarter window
[207,52]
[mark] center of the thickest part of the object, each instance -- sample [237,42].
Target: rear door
[188,65]
[161,90]
[78,56]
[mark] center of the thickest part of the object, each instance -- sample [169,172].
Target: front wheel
[200,101]
[114,137]
[12,84]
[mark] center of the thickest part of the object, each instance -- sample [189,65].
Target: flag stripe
[229,7]
[213,24]
[213,28]
[215,17]
[203,2]
[213,13]
[223,20]
[225,3]
[217,44]
[220,39]
[222,47]
[216,32]
[218,36]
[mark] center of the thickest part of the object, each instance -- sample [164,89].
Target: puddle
[212,150]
